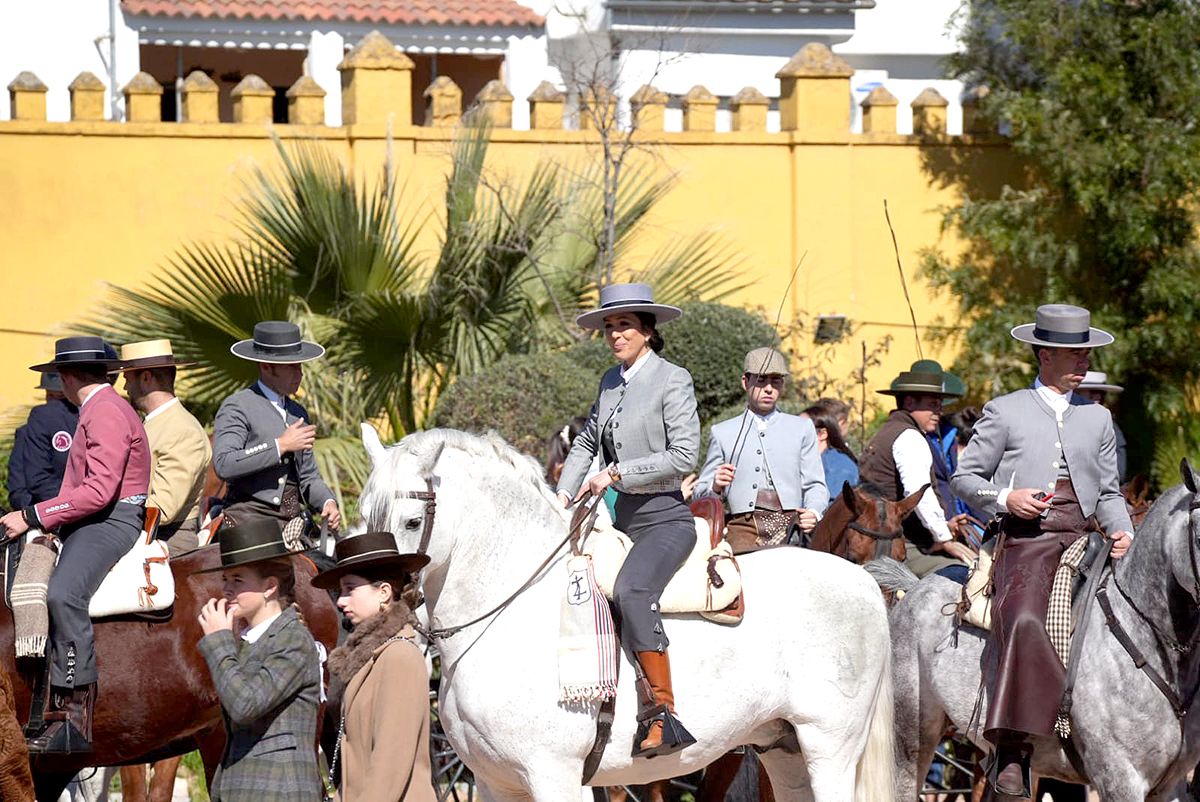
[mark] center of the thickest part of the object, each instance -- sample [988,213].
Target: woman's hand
[597,484]
[215,616]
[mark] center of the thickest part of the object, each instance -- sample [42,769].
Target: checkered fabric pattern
[1058,612]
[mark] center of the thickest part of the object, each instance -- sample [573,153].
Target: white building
[723,45]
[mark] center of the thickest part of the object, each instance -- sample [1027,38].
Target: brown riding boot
[659,732]
[67,723]
[1010,776]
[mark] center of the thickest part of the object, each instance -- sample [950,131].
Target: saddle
[141,581]
[709,582]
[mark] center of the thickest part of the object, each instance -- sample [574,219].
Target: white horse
[805,676]
[1131,744]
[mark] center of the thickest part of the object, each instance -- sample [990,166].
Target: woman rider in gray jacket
[646,431]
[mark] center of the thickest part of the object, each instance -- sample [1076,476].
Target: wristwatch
[614,472]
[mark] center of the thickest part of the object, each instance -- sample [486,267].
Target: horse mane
[872,489]
[490,448]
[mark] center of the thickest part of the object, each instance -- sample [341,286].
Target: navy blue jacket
[39,454]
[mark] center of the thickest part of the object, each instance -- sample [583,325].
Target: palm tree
[337,256]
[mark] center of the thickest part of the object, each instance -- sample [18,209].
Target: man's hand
[332,515]
[597,484]
[564,499]
[1121,544]
[297,437]
[724,477]
[807,520]
[215,616]
[1022,503]
[688,486]
[956,550]
[960,526]
[13,525]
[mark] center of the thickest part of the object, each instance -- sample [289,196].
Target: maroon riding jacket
[109,460]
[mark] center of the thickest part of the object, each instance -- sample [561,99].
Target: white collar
[154,412]
[254,633]
[272,396]
[764,420]
[92,393]
[1057,401]
[627,373]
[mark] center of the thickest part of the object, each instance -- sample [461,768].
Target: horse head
[877,528]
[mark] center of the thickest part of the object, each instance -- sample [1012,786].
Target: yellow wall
[84,203]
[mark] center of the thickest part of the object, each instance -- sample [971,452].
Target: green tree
[336,254]
[1099,97]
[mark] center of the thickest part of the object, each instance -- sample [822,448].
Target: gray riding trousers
[89,550]
[663,533]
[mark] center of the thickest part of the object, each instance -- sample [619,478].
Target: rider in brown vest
[899,460]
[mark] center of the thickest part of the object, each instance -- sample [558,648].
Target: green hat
[954,386]
[917,383]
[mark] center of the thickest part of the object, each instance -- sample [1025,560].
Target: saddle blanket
[708,582]
[140,582]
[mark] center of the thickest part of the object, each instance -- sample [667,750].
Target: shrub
[525,398]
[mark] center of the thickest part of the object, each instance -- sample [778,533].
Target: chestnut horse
[156,698]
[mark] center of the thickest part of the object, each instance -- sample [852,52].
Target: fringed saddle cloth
[140,582]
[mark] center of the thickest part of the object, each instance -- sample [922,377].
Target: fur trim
[347,659]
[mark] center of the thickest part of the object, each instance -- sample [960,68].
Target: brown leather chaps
[1030,678]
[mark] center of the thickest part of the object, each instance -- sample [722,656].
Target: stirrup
[674,735]
[992,773]
[58,738]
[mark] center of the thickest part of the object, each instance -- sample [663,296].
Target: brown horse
[156,698]
[862,526]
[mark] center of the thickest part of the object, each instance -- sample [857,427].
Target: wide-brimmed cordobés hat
[149,354]
[917,383]
[254,541]
[616,298]
[1098,380]
[370,550]
[1062,326]
[76,351]
[953,385]
[277,342]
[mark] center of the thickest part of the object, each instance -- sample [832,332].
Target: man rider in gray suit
[1044,461]
[262,443]
[765,461]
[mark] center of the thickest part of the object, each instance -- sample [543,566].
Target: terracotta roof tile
[380,12]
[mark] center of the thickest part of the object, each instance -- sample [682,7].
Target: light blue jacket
[788,446]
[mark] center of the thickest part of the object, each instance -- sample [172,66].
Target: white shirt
[914,463]
[1059,403]
[255,632]
[627,373]
[92,393]
[764,421]
[150,415]
[276,400]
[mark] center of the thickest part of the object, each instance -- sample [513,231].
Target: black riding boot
[67,724]
[1009,776]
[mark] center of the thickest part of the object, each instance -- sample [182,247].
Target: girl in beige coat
[384,742]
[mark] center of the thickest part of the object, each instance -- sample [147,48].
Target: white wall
[56,40]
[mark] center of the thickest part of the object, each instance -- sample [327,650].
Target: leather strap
[604,722]
[1139,659]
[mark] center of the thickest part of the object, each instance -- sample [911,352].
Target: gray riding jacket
[650,428]
[1019,443]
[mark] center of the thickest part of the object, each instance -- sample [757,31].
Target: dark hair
[404,589]
[86,372]
[823,419]
[1037,352]
[649,321]
[835,407]
[964,420]
[558,445]
[164,377]
[280,569]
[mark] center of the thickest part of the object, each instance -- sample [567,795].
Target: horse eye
[413,524]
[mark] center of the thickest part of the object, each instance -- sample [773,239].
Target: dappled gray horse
[1131,743]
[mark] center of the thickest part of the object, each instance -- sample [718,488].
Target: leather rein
[582,520]
[1180,703]
[881,511]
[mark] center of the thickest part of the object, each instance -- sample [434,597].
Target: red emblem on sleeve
[61,440]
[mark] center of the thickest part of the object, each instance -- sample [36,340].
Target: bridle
[582,521]
[881,512]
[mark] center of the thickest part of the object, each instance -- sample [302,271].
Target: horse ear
[849,498]
[909,503]
[1189,477]
[372,443]
[427,466]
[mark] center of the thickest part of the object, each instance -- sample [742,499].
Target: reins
[581,521]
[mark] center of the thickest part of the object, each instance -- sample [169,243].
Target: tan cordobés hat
[148,354]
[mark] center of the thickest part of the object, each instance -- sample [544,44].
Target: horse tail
[874,777]
[891,575]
